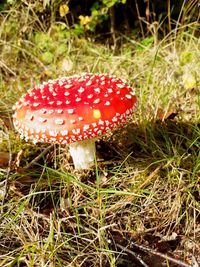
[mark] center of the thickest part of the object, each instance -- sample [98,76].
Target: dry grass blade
[131,196]
[146,186]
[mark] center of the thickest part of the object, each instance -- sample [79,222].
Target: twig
[132,253]
[35,160]
[161,255]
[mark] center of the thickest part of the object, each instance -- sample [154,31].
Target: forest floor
[139,206]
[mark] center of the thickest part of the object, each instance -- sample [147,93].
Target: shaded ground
[140,203]
[159,175]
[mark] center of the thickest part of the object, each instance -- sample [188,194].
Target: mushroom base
[83,154]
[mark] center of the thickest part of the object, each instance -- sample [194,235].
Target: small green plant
[52,45]
[186,57]
[145,43]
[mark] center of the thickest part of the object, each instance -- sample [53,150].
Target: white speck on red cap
[70,111]
[90,96]
[107,103]
[67,86]
[72,121]
[128,96]
[59,121]
[50,111]
[36,104]
[120,85]
[96,101]
[53,133]
[59,111]
[81,90]
[97,90]
[76,131]
[64,132]
[89,83]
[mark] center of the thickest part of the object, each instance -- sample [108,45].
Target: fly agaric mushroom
[74,110]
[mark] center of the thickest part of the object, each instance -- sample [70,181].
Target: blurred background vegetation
[47,26]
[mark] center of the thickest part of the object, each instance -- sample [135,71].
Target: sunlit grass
[146,179]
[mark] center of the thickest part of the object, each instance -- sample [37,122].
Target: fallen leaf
[163,115]
[4,159]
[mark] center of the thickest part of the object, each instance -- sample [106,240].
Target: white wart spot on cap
[72,121]
[67,86]
[59,111]
[81,90]
[120,85]
[64,132]
[97,90]
[76,131]
[90,96]
[70,111]
[50,111]
[97,101]
[59,121]
[86,127]
[88,83]
[132,93]
[114,119]
[53,133]
[107,103]
[35,104]
[128,96]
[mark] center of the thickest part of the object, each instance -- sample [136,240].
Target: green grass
[145,187]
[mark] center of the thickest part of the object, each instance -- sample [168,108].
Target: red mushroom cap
[73,108]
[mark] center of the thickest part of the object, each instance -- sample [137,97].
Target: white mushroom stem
[83,153]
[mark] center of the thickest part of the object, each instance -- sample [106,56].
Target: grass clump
[145,188]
